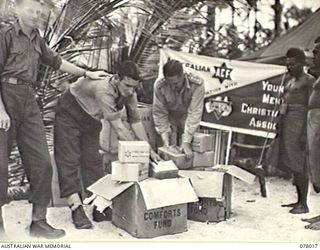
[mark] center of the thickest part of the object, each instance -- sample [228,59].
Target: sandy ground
[254,219]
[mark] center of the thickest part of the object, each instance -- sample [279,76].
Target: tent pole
[228,147]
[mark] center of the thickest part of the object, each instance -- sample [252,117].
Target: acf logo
[222,72]
[220,108]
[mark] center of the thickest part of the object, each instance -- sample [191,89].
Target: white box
[134,151]
[129,171]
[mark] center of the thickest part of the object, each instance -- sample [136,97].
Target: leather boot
[42,229]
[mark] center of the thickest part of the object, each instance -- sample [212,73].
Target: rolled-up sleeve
[160,112]
[195,110]
[49,57]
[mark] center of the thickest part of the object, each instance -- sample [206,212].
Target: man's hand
[96,75]
[5,121]
[154,156]
[186,149]
[165,139]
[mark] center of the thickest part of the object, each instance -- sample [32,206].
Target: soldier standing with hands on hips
[22,49]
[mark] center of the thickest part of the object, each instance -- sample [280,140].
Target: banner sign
[240,96]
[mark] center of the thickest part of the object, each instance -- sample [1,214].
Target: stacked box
[202,142]
[202,146]
[129,171]
[164,170]
[134,151]
[205,159]
[133,164]
[173,153]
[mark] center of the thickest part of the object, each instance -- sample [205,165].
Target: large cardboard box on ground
[149,208]
[214,189]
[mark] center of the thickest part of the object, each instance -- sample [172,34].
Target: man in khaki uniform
[79,115]
[178,101]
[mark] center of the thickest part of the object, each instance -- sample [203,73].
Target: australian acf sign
[241,96]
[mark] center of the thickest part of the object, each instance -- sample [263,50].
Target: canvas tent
[301,36]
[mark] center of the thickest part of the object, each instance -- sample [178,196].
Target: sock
[74,201]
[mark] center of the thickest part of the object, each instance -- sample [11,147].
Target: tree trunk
[277,7]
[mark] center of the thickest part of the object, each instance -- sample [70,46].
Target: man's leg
[67,133]
[3,177]
[34,152]
[313,132]
[3,168]
[91,164]
[302,183]
[314,226]
[312,220]
[91,159]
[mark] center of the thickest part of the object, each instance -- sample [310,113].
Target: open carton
[214,189]
[149,208]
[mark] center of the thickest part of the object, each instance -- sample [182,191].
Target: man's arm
[121,130]
[5,121]
[195,110]
[75,70]
[51,58]
[161,116]
[139,131]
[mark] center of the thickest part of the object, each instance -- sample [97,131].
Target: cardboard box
[164,170]
[214,189]
[145,111]
[173,153]
[213,209]
[202,142]
[148,210]
[205,159]
[129,171]
[134,151]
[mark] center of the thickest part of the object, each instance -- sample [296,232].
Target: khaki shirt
[101,99]
[20,56]
[183,109]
